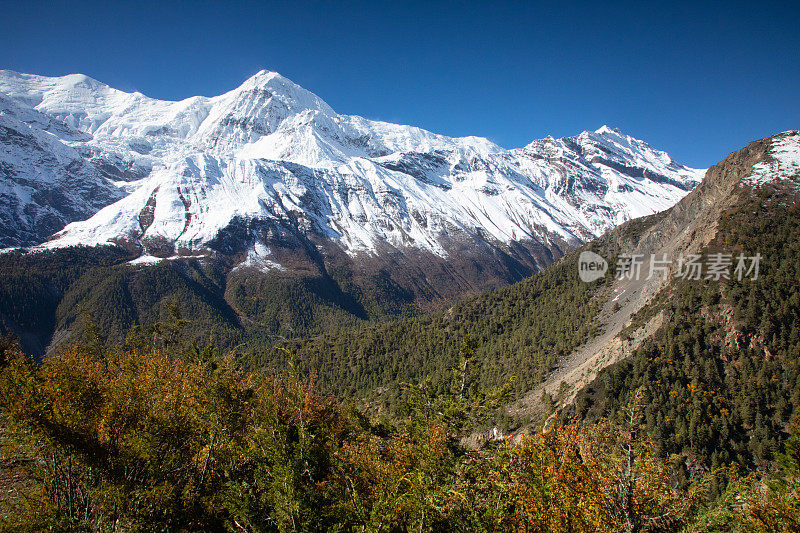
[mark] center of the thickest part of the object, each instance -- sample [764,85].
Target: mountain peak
[295,97]
[607,130]
[274,158]
[22,80]
[264,76]
[81,80]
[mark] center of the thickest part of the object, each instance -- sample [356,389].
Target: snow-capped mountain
[269,163]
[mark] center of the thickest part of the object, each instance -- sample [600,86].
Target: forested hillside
[513,334]
[44,294]
[722,376]
[518,332]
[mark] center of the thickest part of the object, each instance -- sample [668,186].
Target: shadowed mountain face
[44,182]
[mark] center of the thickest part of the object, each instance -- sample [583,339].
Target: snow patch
[145,260]
[785,151]
[258,257]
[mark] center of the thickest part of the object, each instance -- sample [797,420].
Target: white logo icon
[591,266]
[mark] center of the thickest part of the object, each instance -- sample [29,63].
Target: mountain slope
[44,182]
[687,228]
[720,375]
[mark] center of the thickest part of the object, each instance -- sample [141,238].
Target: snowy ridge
[270,150]
[785,163]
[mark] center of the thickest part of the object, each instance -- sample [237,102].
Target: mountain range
[715,360]
[269,177]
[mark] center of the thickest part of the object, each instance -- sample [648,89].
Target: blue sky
[698,79]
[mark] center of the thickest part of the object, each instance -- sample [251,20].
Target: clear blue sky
[698,79]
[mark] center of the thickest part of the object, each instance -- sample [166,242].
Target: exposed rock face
[44,183]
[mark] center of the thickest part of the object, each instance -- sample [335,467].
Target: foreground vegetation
[168,439]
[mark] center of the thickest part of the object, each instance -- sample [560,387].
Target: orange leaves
[556,481]
[575,477]
[197,445]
